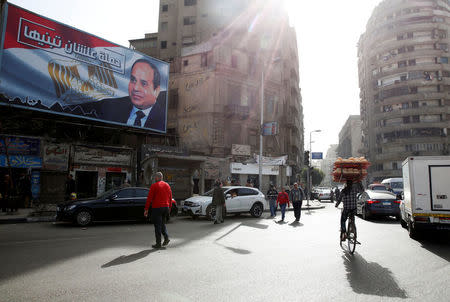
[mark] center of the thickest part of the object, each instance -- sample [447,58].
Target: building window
[415,104]
[189,20]
[416,119]
[204,60]
[185,62]
[163,44]
[443,60]
[405,105]
[164,26]
[401,64]
[234,61]
[406,120]
[190,2]
[401,50]
[270,104]
[165,7]
[234,94]
[412,62]
[395,166]
[410,48]
[409,35]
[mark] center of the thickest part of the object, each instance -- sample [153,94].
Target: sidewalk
[41,213]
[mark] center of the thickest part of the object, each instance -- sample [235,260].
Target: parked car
[124,204]
[237,200]
[376,202]
[324,194]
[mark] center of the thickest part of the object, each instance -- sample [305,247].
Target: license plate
[386,203]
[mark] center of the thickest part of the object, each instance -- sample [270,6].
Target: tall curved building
[404,78]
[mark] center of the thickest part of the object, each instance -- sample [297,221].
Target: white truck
[426,204]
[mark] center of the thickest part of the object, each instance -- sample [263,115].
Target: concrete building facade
[221,54]
[327,165]
[350,138]
[404,77]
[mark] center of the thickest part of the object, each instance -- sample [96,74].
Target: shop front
[20,158]
[99,169]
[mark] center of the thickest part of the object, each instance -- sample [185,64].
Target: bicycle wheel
[351,237]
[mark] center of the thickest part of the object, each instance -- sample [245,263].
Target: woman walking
[283,201]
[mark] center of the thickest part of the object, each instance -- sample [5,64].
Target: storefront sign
[243,150]
[20,145]
[56,157]
[104,157]
[275,161]
[239,168]
[20,161]
[35,184]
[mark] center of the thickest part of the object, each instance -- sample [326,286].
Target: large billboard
[49,66]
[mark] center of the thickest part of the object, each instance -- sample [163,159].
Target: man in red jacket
[160,198]
[283,201]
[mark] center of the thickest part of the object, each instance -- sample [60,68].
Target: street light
[310,164]
[262,122]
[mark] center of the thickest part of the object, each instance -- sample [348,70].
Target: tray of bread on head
[353,168]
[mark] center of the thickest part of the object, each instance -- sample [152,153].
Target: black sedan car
[380,203]
[124,204]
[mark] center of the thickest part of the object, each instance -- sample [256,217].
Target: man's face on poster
[140,88]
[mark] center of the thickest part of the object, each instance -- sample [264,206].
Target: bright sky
[327,35]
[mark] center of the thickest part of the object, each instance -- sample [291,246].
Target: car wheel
[211,212]
[403,223]
[83,217]
[412,231]
[365,214]
[256,210]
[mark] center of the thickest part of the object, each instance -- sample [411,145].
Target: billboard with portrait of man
[52,67]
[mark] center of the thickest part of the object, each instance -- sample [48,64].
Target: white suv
[237,200]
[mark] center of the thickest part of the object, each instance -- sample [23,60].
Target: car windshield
[210,192]
[397,185]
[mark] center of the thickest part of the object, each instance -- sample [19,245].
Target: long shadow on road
[129,258]
[42,245]
[370,278]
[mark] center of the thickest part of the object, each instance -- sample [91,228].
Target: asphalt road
[244,259]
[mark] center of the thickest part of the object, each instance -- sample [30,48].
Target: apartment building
[350,138]
[223,55]
[404,77]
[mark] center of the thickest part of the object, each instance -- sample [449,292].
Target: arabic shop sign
[20,145]
[56,157]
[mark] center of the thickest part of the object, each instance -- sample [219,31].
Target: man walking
[272,195]
[159,198]
[218,201]
[283,201]
[296,197]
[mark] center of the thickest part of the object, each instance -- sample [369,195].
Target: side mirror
[228,196]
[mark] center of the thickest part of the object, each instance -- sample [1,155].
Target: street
[244,259]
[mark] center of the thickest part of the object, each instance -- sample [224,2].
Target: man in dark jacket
[296,197]
[218,201]
[272,195]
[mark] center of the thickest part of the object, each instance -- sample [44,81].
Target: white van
[396,184]
[427,193]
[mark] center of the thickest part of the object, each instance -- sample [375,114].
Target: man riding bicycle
[348,197]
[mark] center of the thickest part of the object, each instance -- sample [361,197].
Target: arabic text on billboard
[49,66]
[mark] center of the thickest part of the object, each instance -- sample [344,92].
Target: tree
[316,176]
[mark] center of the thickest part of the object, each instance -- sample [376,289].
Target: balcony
[238,111]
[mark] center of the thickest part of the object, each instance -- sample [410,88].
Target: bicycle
[350,235]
